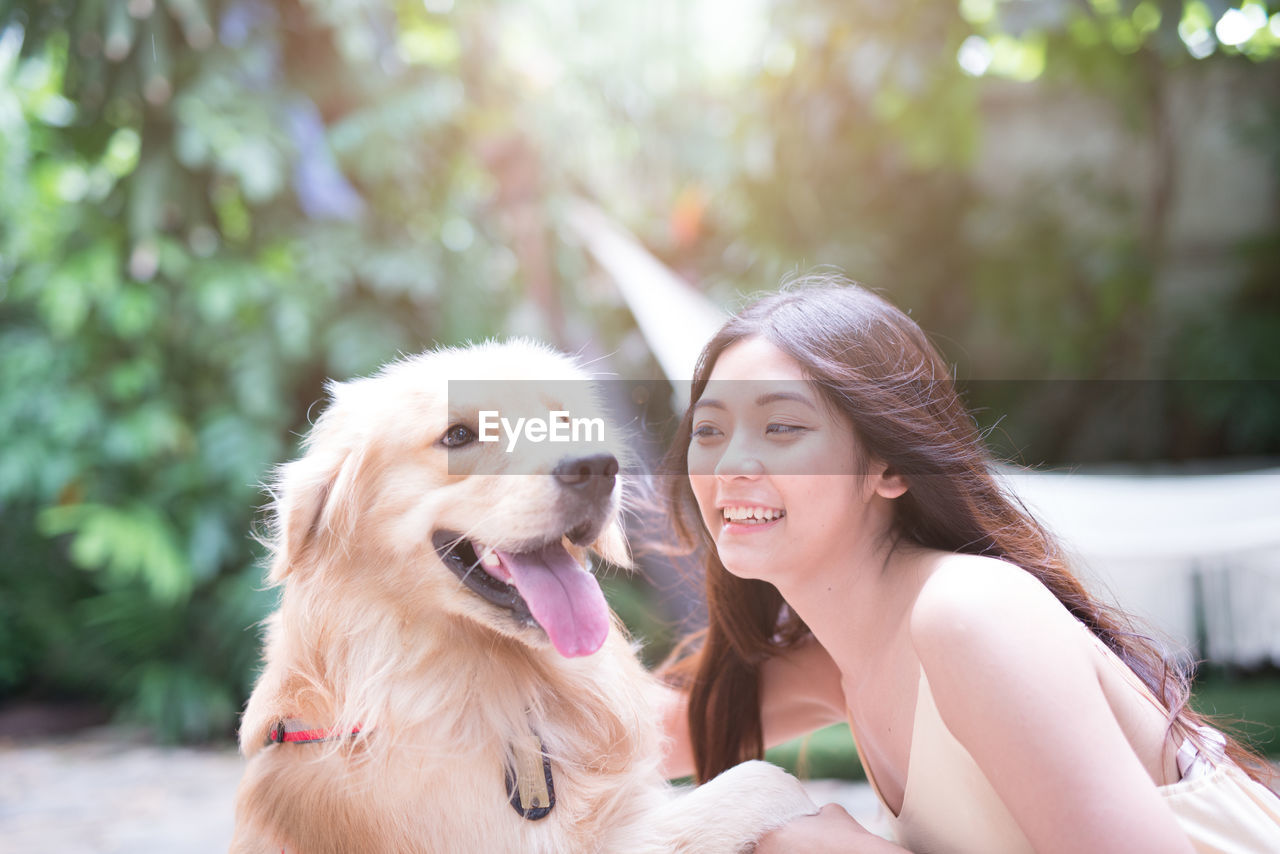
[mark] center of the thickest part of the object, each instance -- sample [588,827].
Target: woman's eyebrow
[763,400]
[774,396]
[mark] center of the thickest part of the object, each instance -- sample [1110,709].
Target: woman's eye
[784,429]
[457,436]
[705,431]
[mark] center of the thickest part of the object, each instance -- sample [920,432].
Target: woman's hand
[831,829]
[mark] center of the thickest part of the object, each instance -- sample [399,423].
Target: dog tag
[529,786]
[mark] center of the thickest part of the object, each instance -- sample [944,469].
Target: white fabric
[1176,550]
[1194,764]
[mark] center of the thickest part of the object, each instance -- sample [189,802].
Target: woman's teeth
[751,515]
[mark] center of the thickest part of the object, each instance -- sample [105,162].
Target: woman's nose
[739,459]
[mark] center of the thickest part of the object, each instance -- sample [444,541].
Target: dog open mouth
[543,584]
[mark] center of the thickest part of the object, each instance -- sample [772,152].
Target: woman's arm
[677,760]
[1012,680]
[799,692]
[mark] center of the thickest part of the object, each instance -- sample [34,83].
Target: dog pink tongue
[563,597]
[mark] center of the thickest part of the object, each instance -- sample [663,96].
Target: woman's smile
[749,518]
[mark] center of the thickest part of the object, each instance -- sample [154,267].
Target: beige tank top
[949,807]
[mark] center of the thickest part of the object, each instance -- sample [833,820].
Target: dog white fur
[375,631]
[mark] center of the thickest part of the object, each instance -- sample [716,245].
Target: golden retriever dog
[443,673]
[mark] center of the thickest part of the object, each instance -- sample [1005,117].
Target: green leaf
[180,704]
[134,311]
[64,304]
[260,168]
[126,543]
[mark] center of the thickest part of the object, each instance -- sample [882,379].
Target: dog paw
[729,814]
[779,796]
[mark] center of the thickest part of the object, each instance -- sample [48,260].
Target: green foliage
[129,544]
[207,209]
[858,150]
[1250,705]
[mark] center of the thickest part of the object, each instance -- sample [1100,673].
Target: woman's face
[775,473]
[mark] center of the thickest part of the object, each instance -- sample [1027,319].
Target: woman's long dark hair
[874,365]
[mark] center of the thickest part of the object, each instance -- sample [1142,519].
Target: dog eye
[457,436]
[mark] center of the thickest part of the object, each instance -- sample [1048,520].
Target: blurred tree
[859,143]
[207,209]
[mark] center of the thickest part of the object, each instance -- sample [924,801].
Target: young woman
[864,566]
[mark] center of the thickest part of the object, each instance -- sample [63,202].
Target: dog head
[457,481]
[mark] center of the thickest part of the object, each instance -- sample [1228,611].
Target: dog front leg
[729,814]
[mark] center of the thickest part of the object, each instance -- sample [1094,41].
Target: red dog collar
[294,731]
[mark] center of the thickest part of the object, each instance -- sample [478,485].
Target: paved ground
[103,792]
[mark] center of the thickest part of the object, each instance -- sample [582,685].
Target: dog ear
[612,545]
[314,498]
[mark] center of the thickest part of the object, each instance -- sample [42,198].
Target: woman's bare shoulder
[970,603]
[1012,675]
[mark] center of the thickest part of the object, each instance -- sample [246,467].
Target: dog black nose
[593,475]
